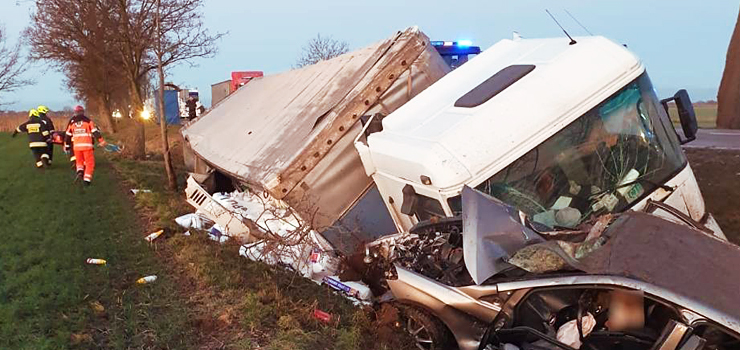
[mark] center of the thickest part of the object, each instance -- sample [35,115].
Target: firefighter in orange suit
[82,132]
[38,137]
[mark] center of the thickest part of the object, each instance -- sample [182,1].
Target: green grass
[207,296]
[249,305]
[48,228]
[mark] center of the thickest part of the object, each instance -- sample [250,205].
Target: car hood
[672,256]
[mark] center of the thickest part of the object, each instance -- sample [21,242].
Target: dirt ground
[718,174]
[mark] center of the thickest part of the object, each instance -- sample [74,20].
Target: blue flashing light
[438,43]
[465,43]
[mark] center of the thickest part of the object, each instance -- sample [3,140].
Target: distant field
[706,115]
[10,121]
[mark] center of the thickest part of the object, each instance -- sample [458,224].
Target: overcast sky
[683,43]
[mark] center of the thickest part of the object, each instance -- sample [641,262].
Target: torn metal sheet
[672,256]
[492,232]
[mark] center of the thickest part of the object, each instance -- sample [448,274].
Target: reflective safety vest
[81,131]
[38,132]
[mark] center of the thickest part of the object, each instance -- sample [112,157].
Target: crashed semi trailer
[290,135]
[562,131]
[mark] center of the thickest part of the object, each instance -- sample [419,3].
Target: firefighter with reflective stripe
[38,137]
[43,110]
[82,132]
[67,147]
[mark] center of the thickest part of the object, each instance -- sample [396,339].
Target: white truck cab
[560,131]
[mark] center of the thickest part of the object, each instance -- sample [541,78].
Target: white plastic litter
[287,241]
[147,279]
[358,290]
[136,191]
[218,234]
[269,215]
[568,332]
[195,220]
[154,235]
[302,258]
[307,253]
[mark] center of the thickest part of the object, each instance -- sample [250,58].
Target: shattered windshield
[603,162]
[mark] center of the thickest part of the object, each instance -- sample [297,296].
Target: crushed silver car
[629,281]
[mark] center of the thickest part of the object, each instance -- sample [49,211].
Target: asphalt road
[715,138]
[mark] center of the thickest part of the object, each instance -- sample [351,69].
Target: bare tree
[321,49]
[74,37]
[180,37]
[103,45]
[12,65]
[728,97]
[149,39]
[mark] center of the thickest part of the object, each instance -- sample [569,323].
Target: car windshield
[605,161]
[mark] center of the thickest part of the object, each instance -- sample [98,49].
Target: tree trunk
[139,138]
[728,97]
[109,115]
[171,179]
[103,108]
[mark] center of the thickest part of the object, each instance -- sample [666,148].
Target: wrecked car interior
[577,318]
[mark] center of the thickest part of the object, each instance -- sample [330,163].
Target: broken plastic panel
[492,232]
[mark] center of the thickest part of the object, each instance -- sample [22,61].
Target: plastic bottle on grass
[92,261]
[154,236]
[147,279]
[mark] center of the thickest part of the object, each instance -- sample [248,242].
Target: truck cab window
[427,208]
[420,206]
[603,162]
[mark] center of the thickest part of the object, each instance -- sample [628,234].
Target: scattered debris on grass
[216,233]
[356,290]
[195,220]
[322,316]
[147,279]
[111,148]
[93,261]
[152,236]
[97,308]
[136,191]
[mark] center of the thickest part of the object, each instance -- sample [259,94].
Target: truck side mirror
[686,114]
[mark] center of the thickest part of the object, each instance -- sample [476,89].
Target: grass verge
[239,304]
[49,298]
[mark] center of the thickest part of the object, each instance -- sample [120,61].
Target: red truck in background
[219,91]
[239,79]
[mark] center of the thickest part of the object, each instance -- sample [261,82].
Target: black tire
[425,331]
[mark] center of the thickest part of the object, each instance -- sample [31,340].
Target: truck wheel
[426,331]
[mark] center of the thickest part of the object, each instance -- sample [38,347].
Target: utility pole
[171,179]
